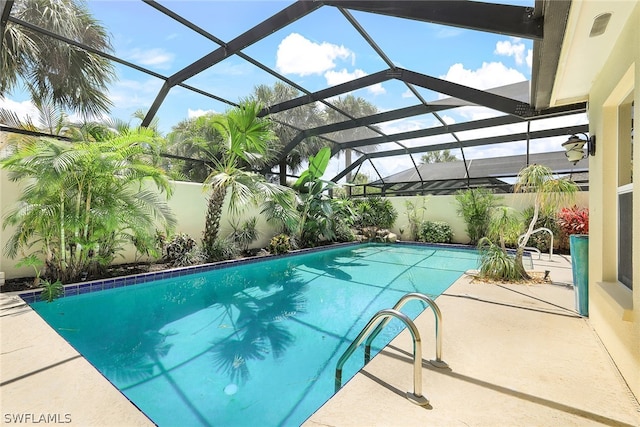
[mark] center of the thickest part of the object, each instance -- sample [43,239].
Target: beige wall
[189,203]
[614,309]
[444,208]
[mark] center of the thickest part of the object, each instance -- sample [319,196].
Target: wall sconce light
[574,147]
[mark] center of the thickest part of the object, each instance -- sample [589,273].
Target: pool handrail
[415,397]
[536,249]
[438,362]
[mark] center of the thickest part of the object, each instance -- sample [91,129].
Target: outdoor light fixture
[574,147]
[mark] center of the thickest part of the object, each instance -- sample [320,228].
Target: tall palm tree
[53,70]
[245,139]
[195,138]
[285,125]
[356,107]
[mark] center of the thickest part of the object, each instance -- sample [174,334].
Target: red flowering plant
[574,220]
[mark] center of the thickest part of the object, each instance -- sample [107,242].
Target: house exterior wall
[614,309]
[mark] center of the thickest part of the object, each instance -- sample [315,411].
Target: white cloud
[298,55]
[22,109]
[448,32]
[529,57]
[448,119]
[490,75]
[338,77]
[407,94]
[199,112]
[156,57]
[133,94]
[515,49]
[377,89]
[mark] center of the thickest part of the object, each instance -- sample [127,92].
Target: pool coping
[97,285]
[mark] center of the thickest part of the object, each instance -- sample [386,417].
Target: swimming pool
[254,343]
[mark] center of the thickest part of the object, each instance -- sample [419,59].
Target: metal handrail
[534,232]
[416,396]
[438,362]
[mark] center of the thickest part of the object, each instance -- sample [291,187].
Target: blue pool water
[251,344]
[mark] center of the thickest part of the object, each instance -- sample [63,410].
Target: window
[625,196]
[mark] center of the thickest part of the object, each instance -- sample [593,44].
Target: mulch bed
[26,283]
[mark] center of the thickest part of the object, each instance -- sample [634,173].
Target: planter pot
[579,245]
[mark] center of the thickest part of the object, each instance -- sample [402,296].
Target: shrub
[89,201]
[436,232]
[415,216]
[222,249]
[279,244]
[375,211]
[343,219]
[495,263]
[51,291]
[574,220]
[475,205]
[504,227]
[182,251]
[245,234]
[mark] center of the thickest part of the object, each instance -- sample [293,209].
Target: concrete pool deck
[518,355]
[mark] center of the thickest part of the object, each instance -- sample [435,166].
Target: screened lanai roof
[239,44]
[497,173]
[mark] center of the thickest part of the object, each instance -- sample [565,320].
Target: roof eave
[546,52]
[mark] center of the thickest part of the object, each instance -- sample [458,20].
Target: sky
[318,51]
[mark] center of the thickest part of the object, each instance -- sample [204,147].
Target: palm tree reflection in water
[258,323]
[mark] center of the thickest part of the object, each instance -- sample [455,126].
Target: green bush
[475,205]
[495,263]
[182,251]
[415,215]
[280,244]
[374,211]
[436,232]
[90,200]
[245,234]
[222,249]
[51,291]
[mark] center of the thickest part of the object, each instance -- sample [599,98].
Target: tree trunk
[519,265]
[212,221]
[525,240]
[283,172]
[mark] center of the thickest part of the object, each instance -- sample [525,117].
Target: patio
[544,366]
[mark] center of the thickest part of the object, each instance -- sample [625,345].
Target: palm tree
[195,138]
[83,200]
[245,139]
[550,194]
[356,107]
[50,69]
[438,156]
[286,124]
